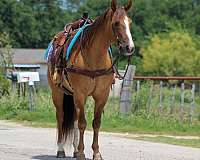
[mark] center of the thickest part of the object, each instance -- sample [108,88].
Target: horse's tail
[68,117]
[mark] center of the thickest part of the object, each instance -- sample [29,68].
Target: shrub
[174,54]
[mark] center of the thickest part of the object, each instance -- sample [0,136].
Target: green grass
[182,142]
[141,123]
[14,108]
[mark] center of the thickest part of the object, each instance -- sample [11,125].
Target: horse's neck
[97,54]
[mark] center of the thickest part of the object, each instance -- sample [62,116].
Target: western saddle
[60,43]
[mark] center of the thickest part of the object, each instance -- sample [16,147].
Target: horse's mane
[89,32]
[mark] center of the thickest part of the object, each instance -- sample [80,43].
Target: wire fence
[166,96]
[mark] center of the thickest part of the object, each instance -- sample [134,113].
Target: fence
[174,96]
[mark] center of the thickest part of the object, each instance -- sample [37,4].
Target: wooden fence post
[137,107]
[148,104]
[192,103]
[126,91]
[18,89]
[172,99]
[199,89]
[161,97]
[31,84]
[182,102]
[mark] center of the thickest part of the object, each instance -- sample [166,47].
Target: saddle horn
[114,5]
[128,5]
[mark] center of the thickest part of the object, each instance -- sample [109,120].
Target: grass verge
[169,140]
[14,108]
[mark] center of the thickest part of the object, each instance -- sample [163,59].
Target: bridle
[119,43]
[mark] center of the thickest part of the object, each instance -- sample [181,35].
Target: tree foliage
[33,23]
[5,60]
[175,54]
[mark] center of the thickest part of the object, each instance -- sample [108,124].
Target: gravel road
[24,143]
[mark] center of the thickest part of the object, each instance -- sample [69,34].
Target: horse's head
[121,27]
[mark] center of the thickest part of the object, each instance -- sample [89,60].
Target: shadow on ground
[49,157]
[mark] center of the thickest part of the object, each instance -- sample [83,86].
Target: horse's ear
[128,5]
[114,5]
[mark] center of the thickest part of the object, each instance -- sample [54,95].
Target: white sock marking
[60,146]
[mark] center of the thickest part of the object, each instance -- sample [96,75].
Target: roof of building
[28,56]
[26,66]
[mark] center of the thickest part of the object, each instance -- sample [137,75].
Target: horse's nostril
[130,49]
[127,48]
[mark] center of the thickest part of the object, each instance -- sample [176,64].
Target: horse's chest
[81,83]
[87,85]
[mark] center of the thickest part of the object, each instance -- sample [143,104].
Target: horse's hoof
[80,156]
[61,154]
[97,156]
[75,154]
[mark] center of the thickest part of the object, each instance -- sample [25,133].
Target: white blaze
[128,32]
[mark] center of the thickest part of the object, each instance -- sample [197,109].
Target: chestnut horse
[111,27]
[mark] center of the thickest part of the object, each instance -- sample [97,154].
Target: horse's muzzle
[127,50]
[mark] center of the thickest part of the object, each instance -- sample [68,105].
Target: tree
[174,54]
[32,24]
[5,60]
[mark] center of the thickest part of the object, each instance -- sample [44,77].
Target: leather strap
[88,73]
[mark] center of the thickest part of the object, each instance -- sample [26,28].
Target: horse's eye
[117,24]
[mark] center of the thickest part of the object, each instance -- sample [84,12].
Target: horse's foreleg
[96,125]
[79,104]
[100,102]
[76,138]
